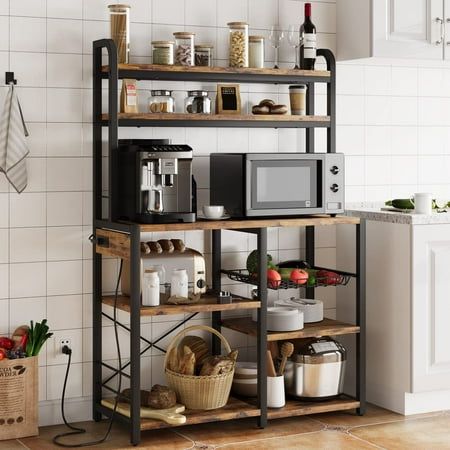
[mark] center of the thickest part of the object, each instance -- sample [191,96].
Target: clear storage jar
[198,102]
[162,52]
[184,48]
[203,55]
[238,46]
[161,101]
[179,285]
[119,16]
[256,51]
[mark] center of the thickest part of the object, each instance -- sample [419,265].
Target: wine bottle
[308,39]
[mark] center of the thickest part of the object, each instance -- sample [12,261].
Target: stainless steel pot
[316,371]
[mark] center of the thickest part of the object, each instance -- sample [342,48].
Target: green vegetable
[37,336]
[252,262]
[400,203]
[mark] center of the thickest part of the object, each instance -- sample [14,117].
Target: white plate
[224,217]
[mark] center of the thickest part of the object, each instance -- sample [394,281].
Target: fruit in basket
[299,276]
[252,262]
[273,278]
[328,277]
[285,273]
[3,354]
[6,343]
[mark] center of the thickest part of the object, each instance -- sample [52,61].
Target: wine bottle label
[309,45]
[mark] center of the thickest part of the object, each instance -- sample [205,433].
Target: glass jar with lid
[203,55]
[197,102]
[256,51]
[120,30]
[162,52]
[184,48]
[238,47]
[161,101]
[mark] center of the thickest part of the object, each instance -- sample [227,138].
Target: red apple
[299,276]
[273,278]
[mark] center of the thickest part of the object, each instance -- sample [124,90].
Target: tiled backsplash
[393,125]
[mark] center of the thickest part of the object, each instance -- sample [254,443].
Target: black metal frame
[113,74]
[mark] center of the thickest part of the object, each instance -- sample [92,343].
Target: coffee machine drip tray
[155,182]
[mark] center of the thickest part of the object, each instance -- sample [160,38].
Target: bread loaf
[198,346]
[178,245]
[161,397]
[217,365]
[155,247]
[186,365]
[166,245]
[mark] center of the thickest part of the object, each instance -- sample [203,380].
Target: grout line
[22,444]
[365,441]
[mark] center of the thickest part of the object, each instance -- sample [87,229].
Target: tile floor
[378,429]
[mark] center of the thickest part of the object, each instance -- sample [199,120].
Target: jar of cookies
[161,101]
[238,47]
[184,48]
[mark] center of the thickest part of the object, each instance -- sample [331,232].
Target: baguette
[166,245]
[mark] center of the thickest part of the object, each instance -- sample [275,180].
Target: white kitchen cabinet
[408,311]
[392,29]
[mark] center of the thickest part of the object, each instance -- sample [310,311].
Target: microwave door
[284,185]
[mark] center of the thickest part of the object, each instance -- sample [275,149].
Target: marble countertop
[378,215]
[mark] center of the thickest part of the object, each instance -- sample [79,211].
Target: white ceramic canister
[150,288]
[179,283]
[276,397]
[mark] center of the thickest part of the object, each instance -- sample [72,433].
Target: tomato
[273,278]
[3,354]
[299,276]
[6,343]
[328,277]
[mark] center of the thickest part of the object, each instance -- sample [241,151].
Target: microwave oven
[277,184]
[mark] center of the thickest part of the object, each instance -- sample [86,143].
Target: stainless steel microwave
[277,184]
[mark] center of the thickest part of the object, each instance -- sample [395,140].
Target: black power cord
[68,351]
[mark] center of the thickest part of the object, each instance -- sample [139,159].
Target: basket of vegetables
[19,380]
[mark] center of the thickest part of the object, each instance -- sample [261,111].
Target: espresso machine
[155,182]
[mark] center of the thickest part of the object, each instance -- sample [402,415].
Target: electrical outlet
[62,342]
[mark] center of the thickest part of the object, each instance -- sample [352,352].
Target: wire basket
[200,392]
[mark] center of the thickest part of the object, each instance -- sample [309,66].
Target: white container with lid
[311,308]
[256,51]
[150,288]
[179,283]
[282,318]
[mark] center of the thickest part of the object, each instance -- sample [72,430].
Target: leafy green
[37,336]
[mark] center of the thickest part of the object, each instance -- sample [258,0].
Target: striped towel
[13,145]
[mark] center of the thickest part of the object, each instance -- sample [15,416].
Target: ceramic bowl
[213,212]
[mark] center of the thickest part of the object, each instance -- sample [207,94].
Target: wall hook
[9,78]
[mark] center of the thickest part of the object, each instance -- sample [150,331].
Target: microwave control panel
[334,183]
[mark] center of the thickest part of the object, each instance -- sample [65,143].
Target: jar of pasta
[184,48]
[238,47]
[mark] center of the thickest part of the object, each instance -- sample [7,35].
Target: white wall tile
[4,8]
[378,80]
[23,310]
[4,33]
[27,210]
[64,243]
[65,312]
[93,30]
[433,140]
[29,68]
[64,208]
[55,378]
[4,280]
[404,140]
[36,172]
[350,140]
[231,11]
[64,36]
[354,170]
[431,82]
[64,70]
[404,110]
[404,170]
[140,40]
[324,17]
[350,110]
[263,13]
[64,139]
[168,11]
[433,169]
[378,110]
[27,245]
[37,139]
[27,280]
[64,174]
[4,210]
[200,12]
[32,8]
[4,245]
[33,103]
[34,40]
[404,81]
[64,277]
[378,140]
[64,105]
[69,9]
[378,170]
[4,318]
[350,79]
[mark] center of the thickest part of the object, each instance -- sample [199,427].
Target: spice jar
[184,48]
[162,52]
[238,47]
[120,30]
[161,101]
[203,55]
[256,51]
[197,102]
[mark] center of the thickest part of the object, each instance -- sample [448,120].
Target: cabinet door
[447,30]
[408,28]
[431,308]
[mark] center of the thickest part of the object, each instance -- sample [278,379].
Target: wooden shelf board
[206,304]
[327,327]
[318,220]
[299,408]
[217,71]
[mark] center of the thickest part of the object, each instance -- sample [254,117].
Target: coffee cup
[423,203]
[297,97]
[213,212]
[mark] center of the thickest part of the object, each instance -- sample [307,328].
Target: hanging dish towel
[13,145]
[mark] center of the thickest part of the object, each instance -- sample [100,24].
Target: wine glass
[294,41]
[275,37]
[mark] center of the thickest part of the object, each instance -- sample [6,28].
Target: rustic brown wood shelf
[218,74]
[219,120]
[250,223]
[298,408]
[206,304]
[327,327]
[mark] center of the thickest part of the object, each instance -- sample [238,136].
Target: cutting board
[171,416]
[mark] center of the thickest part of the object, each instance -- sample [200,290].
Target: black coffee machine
[155,182]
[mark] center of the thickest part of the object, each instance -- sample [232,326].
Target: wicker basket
[200,392]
